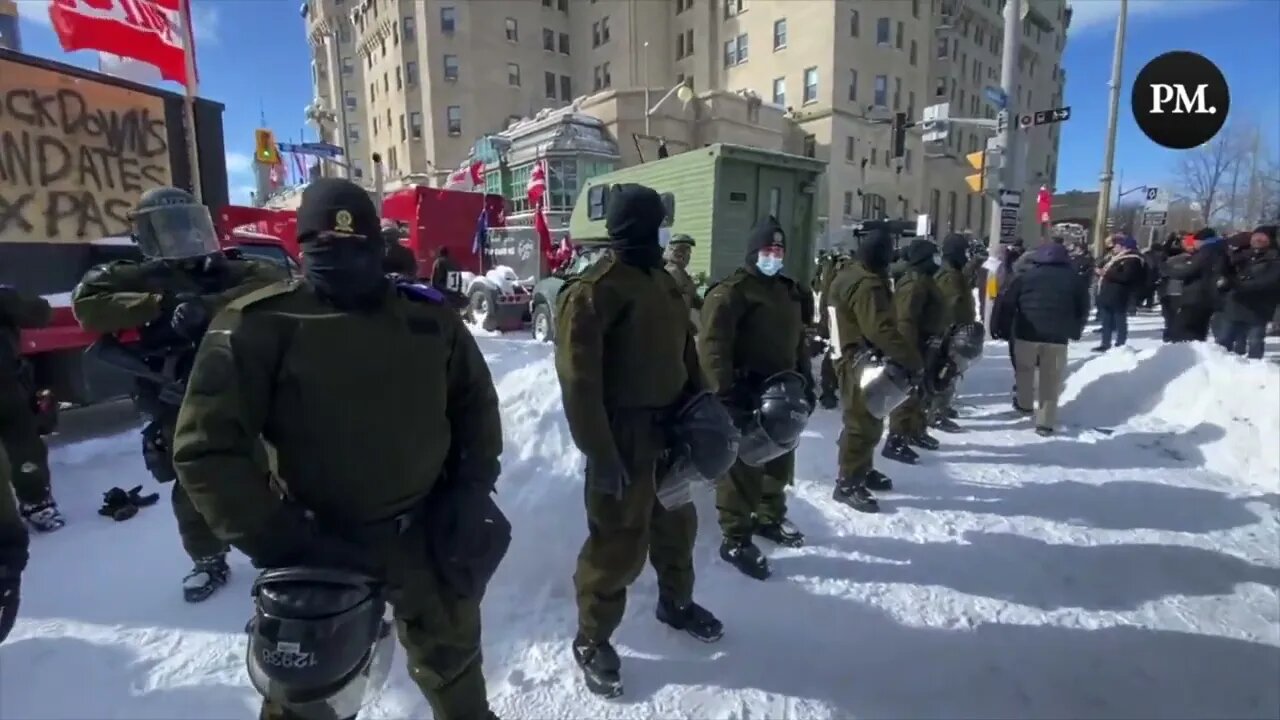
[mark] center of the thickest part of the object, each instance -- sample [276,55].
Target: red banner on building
[149,31]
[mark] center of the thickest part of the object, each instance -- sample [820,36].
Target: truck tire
[483,308]
[544,330]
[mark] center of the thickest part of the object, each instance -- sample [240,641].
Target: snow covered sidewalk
[1128,567]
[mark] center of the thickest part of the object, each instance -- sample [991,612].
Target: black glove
[467,535]
[607,477]
[190,318]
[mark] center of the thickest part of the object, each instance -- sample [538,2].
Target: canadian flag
[536,192]
[467,179]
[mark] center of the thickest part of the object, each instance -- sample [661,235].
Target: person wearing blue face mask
[753,329]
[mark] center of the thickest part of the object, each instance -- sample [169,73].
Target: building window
[512,30]
[453,119]
[546,3]
[562,184]
[810,84]
[915,9]
[951,211]
[897,39]
[411,73]
[549,85]
[906,161]
[779,34]
[882,31]
[942,50]
[850,144]
[680,46]
[566,88]
[853,86]
[404,130]
[780,91]
[548,39]
[911,55]
[513,75]
[911,105]
[854,22]
[602,79]
[410,29]
[399,79]
[882,91]
[732,8]
[735,51]
[415,125]
[450,67]
[344,33]
[875,156]
[350,99]
[562,6]
[448,20]
[564,43]
[847,206]
[897,93]
[600,32]
[347,66]
[353,133]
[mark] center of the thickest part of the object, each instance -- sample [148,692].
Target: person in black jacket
[1168,290]
[1199,274]
[1041,310]
[1119,282]
[1253,293]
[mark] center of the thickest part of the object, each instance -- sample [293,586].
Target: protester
[1119,282]
[1199,273]
[1252,294]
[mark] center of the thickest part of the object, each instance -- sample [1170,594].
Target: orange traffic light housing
[977,161]
[266,151]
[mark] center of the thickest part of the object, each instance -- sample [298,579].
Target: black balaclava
[876,250]
[342,246]
[922,255]
[766,233]
[955,251]
[633,221]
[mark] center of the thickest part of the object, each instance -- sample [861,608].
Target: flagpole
[189,102]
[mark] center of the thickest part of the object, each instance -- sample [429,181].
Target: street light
[320,117]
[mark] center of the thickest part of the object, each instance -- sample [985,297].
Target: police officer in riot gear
[753,329]
[626,360]
[922,318]
[170,297]
[865,325]
[20,431]
[384,423]
[956,284]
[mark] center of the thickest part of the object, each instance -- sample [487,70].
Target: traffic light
[266,153]
[978,161]
[899,134]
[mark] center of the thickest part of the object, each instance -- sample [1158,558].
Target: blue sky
[254,58]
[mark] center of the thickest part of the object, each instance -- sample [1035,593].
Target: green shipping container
[715,195]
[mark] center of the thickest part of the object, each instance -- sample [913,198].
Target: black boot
[43,516]
[946,424]
[878,481]
[209,574]
[853,492]
[745,557]
[896,449]
[691,618]
[924,440]
[950,412]
[601,667]
[828,400]
[782,533]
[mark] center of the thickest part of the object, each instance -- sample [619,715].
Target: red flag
[544,235]
[149,31]
[537,184]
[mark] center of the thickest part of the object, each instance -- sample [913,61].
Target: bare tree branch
[1204,173]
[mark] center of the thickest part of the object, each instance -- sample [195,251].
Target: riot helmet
[885,385]
[169,224]
[318,641]
[773,430]
[704,446]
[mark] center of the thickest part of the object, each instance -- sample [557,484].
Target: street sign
[1152,193]
[996,96]
[934,122]
[1157,201]
[323,150]
[1154,219]
[1025,121]
[1010,209]
[1056,115]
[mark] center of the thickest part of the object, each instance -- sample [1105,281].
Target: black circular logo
[1180,100]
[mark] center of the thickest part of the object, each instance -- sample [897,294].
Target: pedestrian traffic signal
[899,135]
[266,153]
[978,161]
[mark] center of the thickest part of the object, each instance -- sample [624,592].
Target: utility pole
[1006,138]
[645,61]
[1104,188]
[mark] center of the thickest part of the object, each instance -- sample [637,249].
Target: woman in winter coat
[1199,272]
[1119,282]
[1253,293]
[1168,290]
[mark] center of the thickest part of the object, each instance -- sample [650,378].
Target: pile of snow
[1227,405]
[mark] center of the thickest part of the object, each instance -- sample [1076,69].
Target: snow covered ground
[1129,567]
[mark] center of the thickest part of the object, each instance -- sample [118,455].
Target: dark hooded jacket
[1254,292]
[1047,303]
[1122,278]
[1199,273]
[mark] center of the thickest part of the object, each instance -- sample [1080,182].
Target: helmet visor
[176,232]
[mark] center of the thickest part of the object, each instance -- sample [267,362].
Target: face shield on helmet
[705,447]
[773,430]
[319,641]
[885,385]
[174,231]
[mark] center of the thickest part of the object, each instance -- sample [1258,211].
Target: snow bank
[1227,406]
